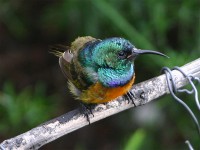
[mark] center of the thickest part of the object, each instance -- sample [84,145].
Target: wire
[173,89]
[194,89]
[189,145]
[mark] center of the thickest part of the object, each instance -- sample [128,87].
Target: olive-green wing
[70,65]
[65,58]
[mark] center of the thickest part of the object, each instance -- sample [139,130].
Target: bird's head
[117,53]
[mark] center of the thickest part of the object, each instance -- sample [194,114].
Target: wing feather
[70,65]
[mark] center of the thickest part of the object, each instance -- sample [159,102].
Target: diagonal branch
[143,92]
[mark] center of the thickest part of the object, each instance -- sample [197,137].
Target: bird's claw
[86,109]
[129,96]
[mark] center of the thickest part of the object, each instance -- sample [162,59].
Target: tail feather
[56,53]
[57,49]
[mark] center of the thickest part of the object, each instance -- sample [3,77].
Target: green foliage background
[33,89]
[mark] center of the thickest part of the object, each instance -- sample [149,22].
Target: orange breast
[97,93]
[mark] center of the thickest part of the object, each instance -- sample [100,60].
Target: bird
[98,71]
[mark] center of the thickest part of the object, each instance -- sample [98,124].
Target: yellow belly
[97,93]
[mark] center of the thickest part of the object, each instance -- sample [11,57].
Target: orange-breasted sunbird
[99,71]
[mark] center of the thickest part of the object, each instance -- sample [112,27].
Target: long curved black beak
[136,52]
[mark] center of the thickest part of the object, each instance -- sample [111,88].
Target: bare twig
[143,92]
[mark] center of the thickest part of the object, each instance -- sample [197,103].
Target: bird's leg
[86,109]
[130,97]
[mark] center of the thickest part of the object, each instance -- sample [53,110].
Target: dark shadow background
[33,89]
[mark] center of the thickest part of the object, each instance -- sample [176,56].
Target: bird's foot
[129,96]
[86,109]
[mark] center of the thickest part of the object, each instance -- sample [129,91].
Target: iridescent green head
[112,59]
[117,53]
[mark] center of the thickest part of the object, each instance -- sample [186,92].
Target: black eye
[122,54]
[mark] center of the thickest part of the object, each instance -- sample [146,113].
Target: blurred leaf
[28,108]
[14,23]
[136,140]
[119,21]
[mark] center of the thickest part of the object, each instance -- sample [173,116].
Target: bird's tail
[57,49]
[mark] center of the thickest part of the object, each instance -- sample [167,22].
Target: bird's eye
[122,54]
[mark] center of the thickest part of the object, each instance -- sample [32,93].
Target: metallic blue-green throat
[108,61]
